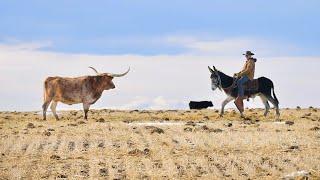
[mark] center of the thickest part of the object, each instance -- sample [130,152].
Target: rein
[220,84]
[232,85]
[227,89]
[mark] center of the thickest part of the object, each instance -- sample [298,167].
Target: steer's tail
[46,88]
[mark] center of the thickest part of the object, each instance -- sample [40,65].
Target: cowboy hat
[248,53]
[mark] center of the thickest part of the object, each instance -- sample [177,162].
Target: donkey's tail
[274,95]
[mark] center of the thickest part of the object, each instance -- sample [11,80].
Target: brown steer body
[86,90]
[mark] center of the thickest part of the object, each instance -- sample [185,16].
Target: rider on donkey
[246,74]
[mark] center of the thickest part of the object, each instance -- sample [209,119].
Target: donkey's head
[215,78]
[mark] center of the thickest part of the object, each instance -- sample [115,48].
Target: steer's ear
[210,69]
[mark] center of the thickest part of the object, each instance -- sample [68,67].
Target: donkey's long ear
[210,69]
[214,68]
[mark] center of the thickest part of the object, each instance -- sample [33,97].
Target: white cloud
[154,82]
[22,46]
[137,103]
[230,46]
[159,103]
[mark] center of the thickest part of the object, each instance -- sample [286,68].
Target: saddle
[251,87]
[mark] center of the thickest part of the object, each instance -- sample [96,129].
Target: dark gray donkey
[262,87]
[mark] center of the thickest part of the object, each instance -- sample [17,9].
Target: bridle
[220,84]
[234,82]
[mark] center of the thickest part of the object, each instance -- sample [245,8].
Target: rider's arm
[248,67]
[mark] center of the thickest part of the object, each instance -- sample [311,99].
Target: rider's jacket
[248,69]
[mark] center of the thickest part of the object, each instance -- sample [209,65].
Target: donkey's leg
[266,104]
[224,103]
[242,115]
[53,109]
[275,104]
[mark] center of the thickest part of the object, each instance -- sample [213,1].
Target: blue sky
[167,44]
[143,26]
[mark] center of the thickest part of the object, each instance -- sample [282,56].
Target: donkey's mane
[226,80]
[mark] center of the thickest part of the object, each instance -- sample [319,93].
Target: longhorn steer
[86,90]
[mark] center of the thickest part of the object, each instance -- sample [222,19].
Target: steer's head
[106,82]
[210,104]
[105,79]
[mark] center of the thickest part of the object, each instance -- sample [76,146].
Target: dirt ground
[169,144]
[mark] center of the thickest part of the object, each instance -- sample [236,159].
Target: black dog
[200,104]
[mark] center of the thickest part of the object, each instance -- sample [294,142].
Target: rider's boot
[239,103]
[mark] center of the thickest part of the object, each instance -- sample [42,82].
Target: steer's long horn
[94,69]
[118,75]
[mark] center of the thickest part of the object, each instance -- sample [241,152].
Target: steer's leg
[224,103]
[44,108]
[86,109]
[266,104]
[53,109]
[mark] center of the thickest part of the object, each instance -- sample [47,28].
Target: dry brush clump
[172,144]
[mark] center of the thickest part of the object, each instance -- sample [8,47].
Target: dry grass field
[169,144]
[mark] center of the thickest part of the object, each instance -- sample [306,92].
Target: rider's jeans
[240,83]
